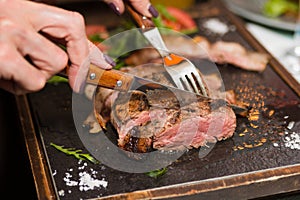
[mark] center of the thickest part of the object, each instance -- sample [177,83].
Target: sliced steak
[157,119]
[199,47]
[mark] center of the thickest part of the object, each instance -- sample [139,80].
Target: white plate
[252,10]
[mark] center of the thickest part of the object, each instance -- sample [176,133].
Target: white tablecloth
[277,43]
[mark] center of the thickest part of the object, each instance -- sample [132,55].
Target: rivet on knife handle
[143,22]
[112,79]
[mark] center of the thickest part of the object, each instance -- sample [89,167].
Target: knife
[121,81]
[148,29]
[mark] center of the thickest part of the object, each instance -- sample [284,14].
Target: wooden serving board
[248,165]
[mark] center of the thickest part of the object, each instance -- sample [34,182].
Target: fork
[182,71]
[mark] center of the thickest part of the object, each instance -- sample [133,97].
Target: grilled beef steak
[200,47]
[156,119]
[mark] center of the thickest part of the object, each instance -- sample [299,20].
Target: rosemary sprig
[76,153]
[157,173]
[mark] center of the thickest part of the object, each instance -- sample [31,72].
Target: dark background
[15,172]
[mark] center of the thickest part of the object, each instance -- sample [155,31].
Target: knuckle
[6,24]
[12,29]
[76,24]
[5,50]
[32,85]
[62,60]
[39,84]
[77,19]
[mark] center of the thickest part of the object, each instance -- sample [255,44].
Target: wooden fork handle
[142,21]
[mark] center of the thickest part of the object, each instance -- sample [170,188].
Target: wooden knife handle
[112,79]
[142,21]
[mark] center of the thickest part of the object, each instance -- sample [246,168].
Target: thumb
[98,58]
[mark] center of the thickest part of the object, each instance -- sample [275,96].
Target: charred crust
[128,105]
[137,144]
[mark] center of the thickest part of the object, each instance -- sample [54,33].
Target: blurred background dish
[269,29]
[253,10]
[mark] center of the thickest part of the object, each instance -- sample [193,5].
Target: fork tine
[187,85]
[184,74]
[192,86]
[201,83]
[178,82]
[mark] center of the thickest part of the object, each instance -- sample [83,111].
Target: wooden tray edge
[240,186]
[38,162]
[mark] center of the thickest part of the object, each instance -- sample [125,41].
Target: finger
[142,6]
[46,56]
[98,58]
[77,77]
[116,5]
[64,24]
[70,26]
[17,75]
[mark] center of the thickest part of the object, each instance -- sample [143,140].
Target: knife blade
[121,81]
[149,30]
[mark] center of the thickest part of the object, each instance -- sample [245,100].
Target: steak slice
[156,119]
[220,52]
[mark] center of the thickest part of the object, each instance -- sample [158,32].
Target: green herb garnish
[164,12]
[57,79]
[76,153]
[157,173]
[96,38]
[119,65]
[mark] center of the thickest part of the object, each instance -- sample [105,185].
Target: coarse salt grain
[61,193]
[87,181]
[291,125]
[292,141]
[216,26]
[68,180]
[275,144]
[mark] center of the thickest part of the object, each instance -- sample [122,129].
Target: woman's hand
[29,57]
[142,6]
